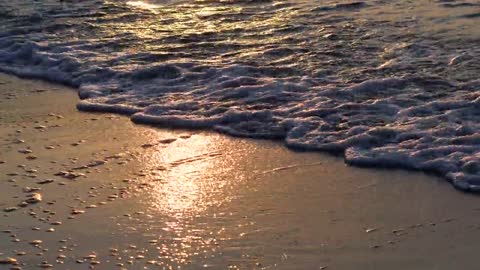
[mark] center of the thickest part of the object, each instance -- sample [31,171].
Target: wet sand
[117,195]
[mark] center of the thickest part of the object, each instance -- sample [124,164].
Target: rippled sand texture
[387,83]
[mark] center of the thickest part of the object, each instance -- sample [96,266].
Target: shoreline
[463,185]
[127,196]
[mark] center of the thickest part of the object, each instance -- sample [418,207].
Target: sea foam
[338,77]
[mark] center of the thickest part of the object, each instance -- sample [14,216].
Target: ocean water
[387,83]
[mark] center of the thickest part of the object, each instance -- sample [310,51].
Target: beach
[83,190]
[382,83]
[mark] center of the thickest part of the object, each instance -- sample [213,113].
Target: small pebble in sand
[91,164]
[10,209]
[22,204]
[69,175]
[398,231]
[31,157]
[25,151]
[56,223]
[8,260]
[77,212]
[30,189]
[78,143]
[167,141]
[148,145]
[45,265]
[90,256]
[18,141]
[35,242]
[46,181]
[50,230]
[34,198]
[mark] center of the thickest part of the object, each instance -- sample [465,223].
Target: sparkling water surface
[386,83]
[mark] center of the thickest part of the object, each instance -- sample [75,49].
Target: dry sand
[114,194]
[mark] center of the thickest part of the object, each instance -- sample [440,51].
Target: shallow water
[387,83]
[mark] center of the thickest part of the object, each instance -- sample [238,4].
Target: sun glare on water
[141,4]
[188,176]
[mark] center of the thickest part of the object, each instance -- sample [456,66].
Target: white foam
[408,102]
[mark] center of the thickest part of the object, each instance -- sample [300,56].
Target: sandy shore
[117,195]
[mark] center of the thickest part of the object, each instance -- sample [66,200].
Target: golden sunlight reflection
[141,4]
[188,176]
[193,19]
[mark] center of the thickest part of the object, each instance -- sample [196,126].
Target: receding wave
[386,83]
